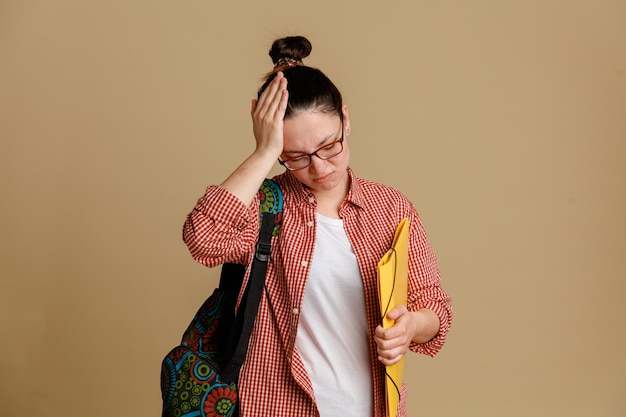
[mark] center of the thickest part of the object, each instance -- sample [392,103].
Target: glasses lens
[298,163]
[330,150]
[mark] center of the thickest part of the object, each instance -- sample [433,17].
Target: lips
[322,179]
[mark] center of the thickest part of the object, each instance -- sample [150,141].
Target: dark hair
[309,88]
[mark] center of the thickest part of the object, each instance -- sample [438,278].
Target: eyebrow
[319,145]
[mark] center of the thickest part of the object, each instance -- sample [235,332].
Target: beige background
[505,123]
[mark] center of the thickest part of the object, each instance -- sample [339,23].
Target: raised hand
[267,116]
[267,124]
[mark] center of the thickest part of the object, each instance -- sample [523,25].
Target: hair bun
[290,49]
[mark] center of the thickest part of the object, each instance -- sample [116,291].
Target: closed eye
[298,158]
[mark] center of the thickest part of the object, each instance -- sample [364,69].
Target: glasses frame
[312,154]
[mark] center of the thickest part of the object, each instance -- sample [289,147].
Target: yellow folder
[393,270]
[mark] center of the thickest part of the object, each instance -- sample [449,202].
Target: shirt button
[304,263]
[311,200]
[310,224]
[295,311]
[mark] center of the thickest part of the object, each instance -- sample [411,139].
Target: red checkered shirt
[273,379]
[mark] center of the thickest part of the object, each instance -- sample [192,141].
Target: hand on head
[268,113]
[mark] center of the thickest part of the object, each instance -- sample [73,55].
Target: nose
[317,164]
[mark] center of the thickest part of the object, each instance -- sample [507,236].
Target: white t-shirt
[332,336]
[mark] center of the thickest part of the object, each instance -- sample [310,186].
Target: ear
[346,119]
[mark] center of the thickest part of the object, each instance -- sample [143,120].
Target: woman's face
[310,131]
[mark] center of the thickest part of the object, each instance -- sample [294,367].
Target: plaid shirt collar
[302,194]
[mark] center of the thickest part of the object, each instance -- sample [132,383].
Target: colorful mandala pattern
[191,387]
[202,335]
[271,202]
[220,401]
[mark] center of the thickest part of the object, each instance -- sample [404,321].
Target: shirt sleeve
[221,229]
[425,287]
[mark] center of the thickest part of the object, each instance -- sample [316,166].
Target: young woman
[317,347]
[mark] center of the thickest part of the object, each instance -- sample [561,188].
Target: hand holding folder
[392,288]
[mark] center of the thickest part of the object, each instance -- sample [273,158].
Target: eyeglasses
[327,151]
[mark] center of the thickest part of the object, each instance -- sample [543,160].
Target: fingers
[273,100]
[389,357]
[393,342]
[268,113]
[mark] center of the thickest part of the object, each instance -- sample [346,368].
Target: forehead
[309,130]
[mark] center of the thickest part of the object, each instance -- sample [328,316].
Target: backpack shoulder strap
[271,207]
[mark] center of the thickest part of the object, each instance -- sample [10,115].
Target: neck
[329,201]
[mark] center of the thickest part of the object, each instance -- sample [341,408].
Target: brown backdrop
[505,123]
